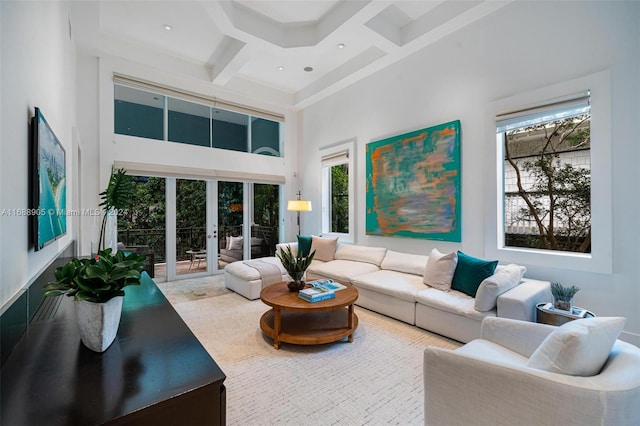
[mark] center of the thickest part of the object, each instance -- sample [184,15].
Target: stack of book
[320,290]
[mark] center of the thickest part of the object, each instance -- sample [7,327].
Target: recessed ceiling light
[340,45]
[167,27]
[308,69]
[280,68]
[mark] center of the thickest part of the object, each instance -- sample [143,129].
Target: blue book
[314,294]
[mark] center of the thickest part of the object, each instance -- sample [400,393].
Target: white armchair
[487,382]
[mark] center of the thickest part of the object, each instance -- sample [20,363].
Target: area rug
[191,289]
[377,379]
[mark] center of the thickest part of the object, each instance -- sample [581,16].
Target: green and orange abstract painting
[413,184]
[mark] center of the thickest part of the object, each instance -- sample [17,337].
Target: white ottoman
[246,280]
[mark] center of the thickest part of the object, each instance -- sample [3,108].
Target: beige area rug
[192,289]
[375,380]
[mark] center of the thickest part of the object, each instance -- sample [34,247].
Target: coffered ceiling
[288,52]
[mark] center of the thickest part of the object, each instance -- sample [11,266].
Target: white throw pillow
[235,243]
[440,269]
[228,243]
[325,248]
[503,279]
[579,347]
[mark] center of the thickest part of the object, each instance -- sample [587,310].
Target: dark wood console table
[155,373]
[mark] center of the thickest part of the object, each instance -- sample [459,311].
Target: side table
[555,317]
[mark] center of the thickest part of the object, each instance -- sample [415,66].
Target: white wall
[37,70]
[522,47]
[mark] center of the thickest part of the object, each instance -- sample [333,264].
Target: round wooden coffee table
[293,320]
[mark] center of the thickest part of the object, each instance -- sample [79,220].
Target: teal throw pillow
[470,272]
[304,245]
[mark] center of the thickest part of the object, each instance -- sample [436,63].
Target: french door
[211,223]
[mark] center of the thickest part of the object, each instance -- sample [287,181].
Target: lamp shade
[299,206]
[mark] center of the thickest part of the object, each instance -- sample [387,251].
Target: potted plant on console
[295,265]
[97,283]
[97,286]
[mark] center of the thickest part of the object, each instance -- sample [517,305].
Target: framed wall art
[413,184]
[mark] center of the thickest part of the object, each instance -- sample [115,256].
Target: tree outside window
[547,184]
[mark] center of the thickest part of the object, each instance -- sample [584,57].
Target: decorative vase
[295,285]
[563,303]
[98,322]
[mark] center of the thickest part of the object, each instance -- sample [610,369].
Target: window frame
[348,149]
[600,259]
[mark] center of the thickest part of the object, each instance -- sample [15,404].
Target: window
[141,109]
[337,191]
[547,176]
[598,257]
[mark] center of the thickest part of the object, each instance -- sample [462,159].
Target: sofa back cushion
[325,248]
[356,253]
[404,262]
[440,269]
[470,272]
[504,278]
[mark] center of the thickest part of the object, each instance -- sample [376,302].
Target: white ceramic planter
[98,322]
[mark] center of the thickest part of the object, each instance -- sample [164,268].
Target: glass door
[231,211]
[190,227]
[265,228]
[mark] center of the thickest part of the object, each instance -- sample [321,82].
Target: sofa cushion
[579,347]
[235,243]
[403,262]
[304,244]
[440,269]
[504,278]
[340,270]
[373,255]
[470,272]
[391,283]
[325,248]
[452,301]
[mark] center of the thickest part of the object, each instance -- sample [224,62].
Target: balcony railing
[192,238]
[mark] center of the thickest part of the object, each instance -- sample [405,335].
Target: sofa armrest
[518,336]
[520,302]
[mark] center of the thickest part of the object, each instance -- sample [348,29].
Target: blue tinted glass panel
[230,130]
[188,122]
[138,113]
[265,137]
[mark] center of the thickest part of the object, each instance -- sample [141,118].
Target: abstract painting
[413,184]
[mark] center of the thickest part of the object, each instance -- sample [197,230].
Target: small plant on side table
[563,296]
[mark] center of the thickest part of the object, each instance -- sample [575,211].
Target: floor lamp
[298,206]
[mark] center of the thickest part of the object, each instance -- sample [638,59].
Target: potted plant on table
[563,296]
[295,265]
[97,286]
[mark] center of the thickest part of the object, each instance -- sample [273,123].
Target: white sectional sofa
[392,283]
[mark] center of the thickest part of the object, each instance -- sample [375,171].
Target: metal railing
[193,238]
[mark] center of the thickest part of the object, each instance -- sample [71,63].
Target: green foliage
[97,279]
[115,198]
[295,265]
[563,293]
[266,204]
[340,198]
[559,198]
